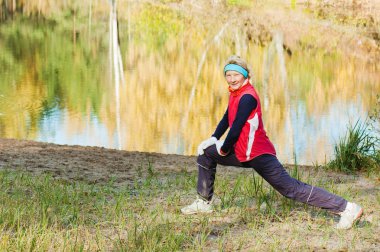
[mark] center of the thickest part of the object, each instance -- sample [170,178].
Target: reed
[356,151]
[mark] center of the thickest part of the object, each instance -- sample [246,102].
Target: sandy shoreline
[100,165]
[91,164]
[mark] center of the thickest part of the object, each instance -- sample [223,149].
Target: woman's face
[234,79]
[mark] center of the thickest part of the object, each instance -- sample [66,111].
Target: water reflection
[55,90]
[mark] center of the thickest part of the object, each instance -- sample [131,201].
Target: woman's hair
[234,59]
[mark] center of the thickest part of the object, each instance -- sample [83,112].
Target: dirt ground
[90,164]
[100,165]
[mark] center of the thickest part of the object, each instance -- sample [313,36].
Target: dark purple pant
[273,172]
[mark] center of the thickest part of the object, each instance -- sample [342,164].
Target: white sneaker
[348,217]
[198,206]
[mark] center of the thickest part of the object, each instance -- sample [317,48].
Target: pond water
[58,86]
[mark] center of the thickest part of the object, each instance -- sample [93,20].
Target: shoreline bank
[92,164]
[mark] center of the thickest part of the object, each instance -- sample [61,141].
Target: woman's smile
[235,79]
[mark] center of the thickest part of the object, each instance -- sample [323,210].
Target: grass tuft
[357,151]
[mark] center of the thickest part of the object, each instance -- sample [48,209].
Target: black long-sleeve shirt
[247,103]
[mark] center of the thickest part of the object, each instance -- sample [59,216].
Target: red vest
[253,140]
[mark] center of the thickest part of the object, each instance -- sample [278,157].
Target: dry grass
[41,213]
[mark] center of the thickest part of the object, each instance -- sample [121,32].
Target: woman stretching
[247,145]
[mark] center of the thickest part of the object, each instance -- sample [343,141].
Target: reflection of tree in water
[59,69]
[116,65]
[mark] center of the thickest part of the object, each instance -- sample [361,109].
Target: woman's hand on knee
[205,144]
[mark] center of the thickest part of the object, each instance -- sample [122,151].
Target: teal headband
[237,68]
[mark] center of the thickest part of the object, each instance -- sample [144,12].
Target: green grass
[356,151]
[40,213]
[36,209]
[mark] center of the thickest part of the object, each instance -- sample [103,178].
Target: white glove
[219,145]
[205,144]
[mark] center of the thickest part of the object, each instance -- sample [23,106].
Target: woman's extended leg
[274,173]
